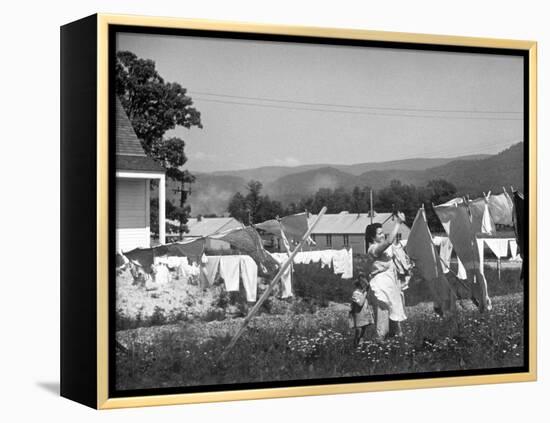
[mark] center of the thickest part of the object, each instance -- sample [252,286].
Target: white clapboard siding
[132,214]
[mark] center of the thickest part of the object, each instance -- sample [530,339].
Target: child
[360,315]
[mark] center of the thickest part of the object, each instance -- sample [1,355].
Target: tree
[441,191]
[254,207]
[238,208]
[154,107]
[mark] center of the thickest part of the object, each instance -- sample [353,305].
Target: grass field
[315,342]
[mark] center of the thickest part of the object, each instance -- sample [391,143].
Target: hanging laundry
[461,270]
[481,251]
[480,217]
[144,257]
[294,227]
[501,209]
[499,246]
[286,277]
[422,252]
[403,266]
[487,224]
[192,249]
[229,271]
[326,257]
[456,222]
[161,274]
[342,262]
[248,241]
[519,225]
[210,270]
[445,252]
[249,276]
[513,249]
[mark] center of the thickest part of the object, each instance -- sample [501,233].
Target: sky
[273,103]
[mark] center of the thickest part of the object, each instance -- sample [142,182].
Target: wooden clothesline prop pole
[264,296]
[371,208]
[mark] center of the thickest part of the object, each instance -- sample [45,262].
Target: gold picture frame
[94,33]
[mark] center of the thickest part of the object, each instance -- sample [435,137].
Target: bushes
[311,282]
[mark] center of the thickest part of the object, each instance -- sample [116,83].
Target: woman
[385,287]
[360,315]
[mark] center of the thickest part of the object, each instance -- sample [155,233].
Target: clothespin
[504,189]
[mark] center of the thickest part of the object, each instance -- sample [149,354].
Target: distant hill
[269,174]
[470,174]
[295,186]
[474,177]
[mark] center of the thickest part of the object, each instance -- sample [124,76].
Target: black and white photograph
[294,211]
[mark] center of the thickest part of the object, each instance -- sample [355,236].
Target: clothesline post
[498,267]
[266,293]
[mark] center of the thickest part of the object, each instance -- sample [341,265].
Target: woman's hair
[370,232]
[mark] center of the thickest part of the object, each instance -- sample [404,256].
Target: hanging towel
[499,246]
[249,275]
[229,271]
[501,209]
[210,269]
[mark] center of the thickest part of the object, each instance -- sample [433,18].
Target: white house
[134,171]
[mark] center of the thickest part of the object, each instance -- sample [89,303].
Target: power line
[402,109]
[272,106]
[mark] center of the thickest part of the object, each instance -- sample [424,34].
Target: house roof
[129,152]
[352,223]
[141,163]
[210,225]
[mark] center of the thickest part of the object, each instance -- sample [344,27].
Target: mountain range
[471,175]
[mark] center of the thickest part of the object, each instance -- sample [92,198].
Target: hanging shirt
[229,271]
[501,209]
[249,276]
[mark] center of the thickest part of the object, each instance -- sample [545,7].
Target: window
[329,240]
[346,240]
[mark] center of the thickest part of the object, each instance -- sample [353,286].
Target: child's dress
[360,314]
